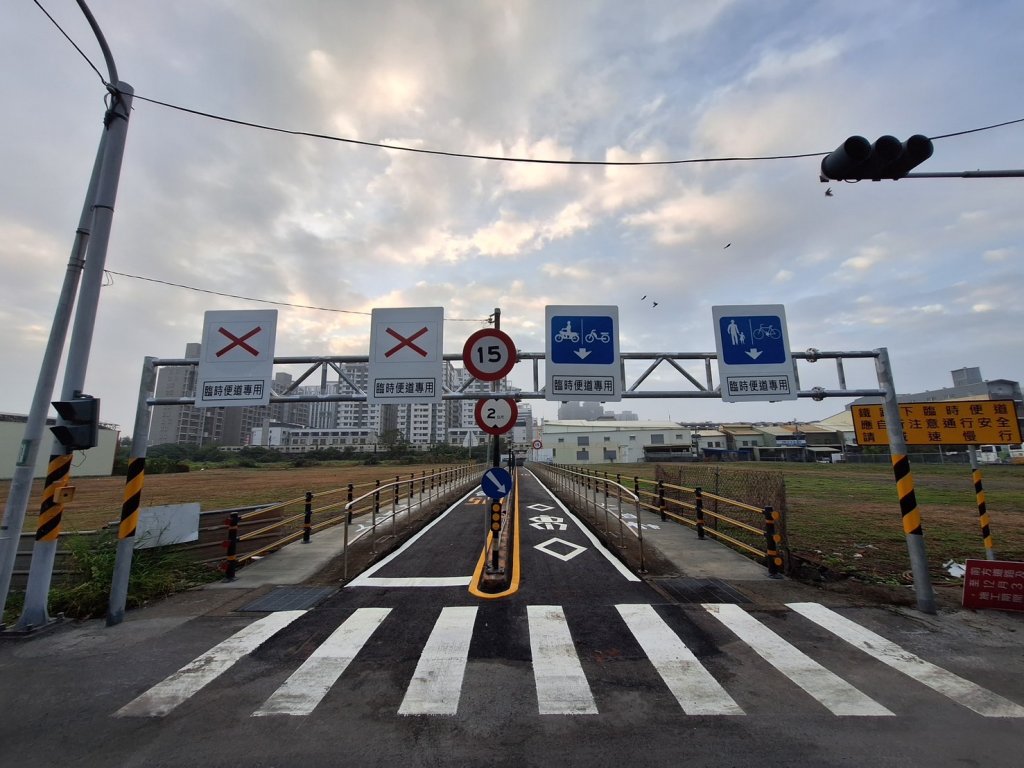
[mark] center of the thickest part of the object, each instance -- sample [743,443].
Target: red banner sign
[995,584]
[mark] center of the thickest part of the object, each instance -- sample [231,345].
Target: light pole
[91,242]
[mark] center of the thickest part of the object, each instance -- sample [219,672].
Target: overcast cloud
[930,269]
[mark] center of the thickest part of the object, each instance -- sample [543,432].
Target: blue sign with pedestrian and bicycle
[753,353]
[752,340]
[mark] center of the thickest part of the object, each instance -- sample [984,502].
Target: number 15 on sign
[489,354]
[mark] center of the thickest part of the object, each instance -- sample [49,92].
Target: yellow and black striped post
[132,498]
[52,508]
[979,495]
[909,512]
[698,507]
[908,499]
[132,503]
[986,532]
[772,539]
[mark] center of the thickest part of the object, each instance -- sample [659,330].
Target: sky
[929,269]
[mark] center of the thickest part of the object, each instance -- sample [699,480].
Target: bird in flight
[654,304]
[828,192]
[643,297]
[727,245]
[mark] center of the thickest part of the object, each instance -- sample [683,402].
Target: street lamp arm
[107,55]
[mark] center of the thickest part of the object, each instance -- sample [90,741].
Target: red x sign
[405,342]
[239,341]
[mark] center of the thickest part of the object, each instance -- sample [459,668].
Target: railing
[301,517]
[588,489]
[758,535]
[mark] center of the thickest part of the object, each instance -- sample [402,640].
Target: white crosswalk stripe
[697,692]
[437,682]
[836,694]
[165,696]
[310,683]
[559,675]
[971,695]
[562,688]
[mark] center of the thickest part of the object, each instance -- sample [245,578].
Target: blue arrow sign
[496,483]
[577,340]
[756,340]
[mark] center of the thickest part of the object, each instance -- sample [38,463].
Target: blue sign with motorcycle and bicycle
[582,359]
[582,339]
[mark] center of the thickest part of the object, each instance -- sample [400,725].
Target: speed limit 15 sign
[489,354]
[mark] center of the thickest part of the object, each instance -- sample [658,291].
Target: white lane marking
[697,692]
[562,688]
[970,695]
[616,563]
[837,695]
[362,579]
[305,689]
[414,581]
[437,682]
[166,695]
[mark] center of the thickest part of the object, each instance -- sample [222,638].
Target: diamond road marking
[574,549]
[540,507]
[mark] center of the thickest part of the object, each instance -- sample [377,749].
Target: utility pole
[21,483]
[92,243]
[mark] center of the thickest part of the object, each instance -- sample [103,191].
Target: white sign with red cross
[236,364]
[406,355]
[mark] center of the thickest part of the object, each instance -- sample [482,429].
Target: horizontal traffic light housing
[79,424]
[857,159]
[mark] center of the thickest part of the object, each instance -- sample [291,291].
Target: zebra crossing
[560,682]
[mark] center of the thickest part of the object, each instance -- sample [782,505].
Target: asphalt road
[583,664]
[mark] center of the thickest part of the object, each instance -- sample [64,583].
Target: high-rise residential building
[188,425]
[419,424]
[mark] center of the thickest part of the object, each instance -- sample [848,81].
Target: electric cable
[267,301]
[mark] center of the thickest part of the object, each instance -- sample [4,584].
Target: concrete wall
[95,462]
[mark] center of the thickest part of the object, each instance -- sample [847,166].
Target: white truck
[1001,454]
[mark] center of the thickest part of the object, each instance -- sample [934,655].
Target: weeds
[84,591]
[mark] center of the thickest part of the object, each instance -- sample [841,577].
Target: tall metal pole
[496,440]
[116,122]
[905,485]
[24,470]
[979,495]
[132,497]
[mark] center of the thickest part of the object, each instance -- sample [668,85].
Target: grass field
[845,517]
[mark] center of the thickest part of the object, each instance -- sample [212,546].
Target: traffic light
[888,158]
[81,422]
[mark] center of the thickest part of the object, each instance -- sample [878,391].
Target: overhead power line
[470,155]
[269,301]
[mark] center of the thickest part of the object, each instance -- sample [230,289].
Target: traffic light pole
[996,174]
[24,470]
[37,591]
[911,515]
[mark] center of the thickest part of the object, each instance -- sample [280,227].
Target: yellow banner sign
[950,422]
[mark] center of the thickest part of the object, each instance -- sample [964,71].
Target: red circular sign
[489,354]
[497,415]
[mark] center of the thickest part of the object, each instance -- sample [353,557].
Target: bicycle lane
[561,560]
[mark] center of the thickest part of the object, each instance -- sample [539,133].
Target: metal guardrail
[294,519]
[587,488]
[672,502]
